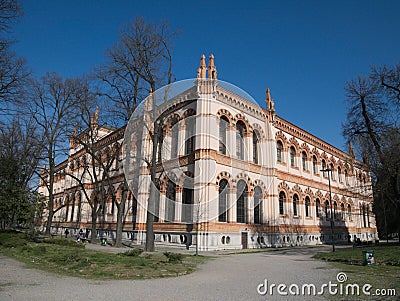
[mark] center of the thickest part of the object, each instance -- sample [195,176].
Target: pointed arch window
[223,200]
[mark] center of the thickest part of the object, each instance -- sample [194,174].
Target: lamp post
[329,171]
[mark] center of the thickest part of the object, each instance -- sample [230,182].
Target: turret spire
[201,72]
[212,70]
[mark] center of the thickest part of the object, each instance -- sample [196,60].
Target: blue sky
[304,51]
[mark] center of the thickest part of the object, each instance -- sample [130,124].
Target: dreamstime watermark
[338,288]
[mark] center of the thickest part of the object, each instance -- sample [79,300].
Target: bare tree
[138,63]
[373,126]
[53,104]
[13,72]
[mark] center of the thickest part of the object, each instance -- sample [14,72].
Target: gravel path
[227,277]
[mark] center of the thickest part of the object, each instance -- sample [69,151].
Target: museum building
[257,180]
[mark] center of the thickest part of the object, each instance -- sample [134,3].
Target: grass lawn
[383,276]
[67,257]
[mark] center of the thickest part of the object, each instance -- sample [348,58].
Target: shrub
[133,252]
[13,239]
[174,257]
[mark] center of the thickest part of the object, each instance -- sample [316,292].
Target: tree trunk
[120,223]
[93,234]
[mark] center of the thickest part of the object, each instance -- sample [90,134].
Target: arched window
[190,123]
[307,206]
[66,208]
[363,215]
[255,147]
[346,177]
[326,210]
[282,198]
[187,205]
[335,214]
[279,149]
[240,129]
[292,156]
[72,209]
[241,208]
[170,201]
[174,138]
[339,173]
[257,205]
[332,173]
[157,204]
[295,204]
[223,130]
[349,212]
[315,165]
[342,211]
[223,200]
[304,160]
[317,207]
[323,165]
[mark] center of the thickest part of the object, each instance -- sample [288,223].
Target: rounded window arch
[170,201]
[279,151]
[292,156]
[258,205]
[282,199]
[256,146]
[223,192]
[174,128]
[240,131]
[326,209]
[315,165]
[307,206]
[223,132]
[241,206]
[304,160]
[317,207]
[295,204]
